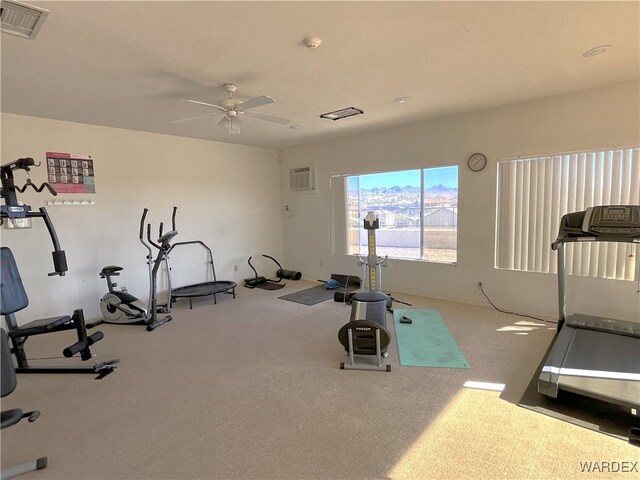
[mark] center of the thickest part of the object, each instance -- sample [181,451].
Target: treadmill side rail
[550,375]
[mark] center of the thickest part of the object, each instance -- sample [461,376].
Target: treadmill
[594,356]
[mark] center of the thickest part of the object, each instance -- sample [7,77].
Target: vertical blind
[534,193]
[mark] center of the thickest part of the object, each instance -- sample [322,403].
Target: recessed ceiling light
[401,99]
[596,51]
[295,127]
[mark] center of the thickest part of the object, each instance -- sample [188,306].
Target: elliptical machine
[121,307]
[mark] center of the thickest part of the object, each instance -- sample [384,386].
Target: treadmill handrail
[572,229]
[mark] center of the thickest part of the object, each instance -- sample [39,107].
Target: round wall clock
[477,162]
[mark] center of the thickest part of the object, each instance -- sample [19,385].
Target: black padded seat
[10,417]
[36,327]
[110,270]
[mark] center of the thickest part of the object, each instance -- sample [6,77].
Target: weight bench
[366,338]
[14,299]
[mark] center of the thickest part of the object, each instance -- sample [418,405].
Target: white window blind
[534,193]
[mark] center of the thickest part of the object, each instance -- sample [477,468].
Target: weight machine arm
[12,208]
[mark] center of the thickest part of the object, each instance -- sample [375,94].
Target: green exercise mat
[426,342]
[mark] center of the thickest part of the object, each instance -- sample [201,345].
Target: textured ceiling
[129,64]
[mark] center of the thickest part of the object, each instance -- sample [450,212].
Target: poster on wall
[71,173]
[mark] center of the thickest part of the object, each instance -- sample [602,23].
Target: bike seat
[110,270]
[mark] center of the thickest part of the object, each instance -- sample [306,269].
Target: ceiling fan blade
[194,118]
[204,103]
[254,102]
[268,118]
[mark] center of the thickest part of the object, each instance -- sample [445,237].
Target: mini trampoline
[203,289]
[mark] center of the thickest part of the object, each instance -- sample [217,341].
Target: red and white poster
[71,173]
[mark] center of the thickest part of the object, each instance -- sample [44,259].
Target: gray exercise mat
[310,296]
[320,293]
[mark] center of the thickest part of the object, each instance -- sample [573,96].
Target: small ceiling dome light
[295,127]
[596,51]
[312,42]
[401,99]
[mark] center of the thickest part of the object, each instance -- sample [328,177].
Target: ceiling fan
[232,110]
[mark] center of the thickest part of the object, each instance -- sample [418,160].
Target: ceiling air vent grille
[344,113]
[301,179]
[21,19]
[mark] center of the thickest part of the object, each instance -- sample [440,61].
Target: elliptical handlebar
[149,236]
[163,238]
[141,236]
[144,216]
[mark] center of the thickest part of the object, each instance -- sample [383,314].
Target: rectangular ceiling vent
[302,179]
[21,19]
[344,113]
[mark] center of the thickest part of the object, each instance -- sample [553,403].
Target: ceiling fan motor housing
[229,103]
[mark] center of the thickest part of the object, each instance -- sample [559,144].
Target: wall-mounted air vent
[21,19]
[302,179]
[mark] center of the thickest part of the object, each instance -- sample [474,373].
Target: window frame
[423,245]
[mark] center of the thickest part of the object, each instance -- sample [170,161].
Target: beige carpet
[250,389]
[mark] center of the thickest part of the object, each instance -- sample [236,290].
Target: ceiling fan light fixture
[235,123]
[343,113]
[232,124]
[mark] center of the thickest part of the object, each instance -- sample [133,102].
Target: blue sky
[447,176]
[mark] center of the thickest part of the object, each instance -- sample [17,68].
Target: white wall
[598,118]
[228,196]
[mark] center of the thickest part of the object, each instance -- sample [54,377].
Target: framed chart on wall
[71,173]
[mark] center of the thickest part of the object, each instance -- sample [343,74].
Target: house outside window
[417,212]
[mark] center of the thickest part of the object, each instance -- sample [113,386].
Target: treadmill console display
[614,220]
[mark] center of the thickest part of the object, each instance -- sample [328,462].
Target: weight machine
[14,296]
[366,338]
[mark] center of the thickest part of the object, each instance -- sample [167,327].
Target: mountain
[409,190]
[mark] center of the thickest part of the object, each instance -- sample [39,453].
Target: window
[534,193]
[417,212]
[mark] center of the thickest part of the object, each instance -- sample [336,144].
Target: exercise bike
[121,307]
